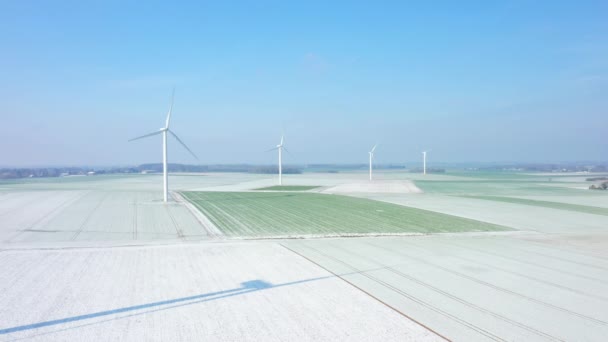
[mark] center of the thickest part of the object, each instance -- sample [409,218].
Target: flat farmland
[244,291]
[251,214]
[477,288]
[547,204]
[104,258]
[503,187]
[289,188]
[53,216]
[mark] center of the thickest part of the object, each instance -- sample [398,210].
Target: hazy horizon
[476,82]
[406,164]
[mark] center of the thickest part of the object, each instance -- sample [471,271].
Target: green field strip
[209,212]
[498,188]
[289,188]
[546,204]
[271,214]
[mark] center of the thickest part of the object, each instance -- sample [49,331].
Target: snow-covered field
[517,216]
[95,215]
[401,186]
[102,258]
[477,288]
[207,292]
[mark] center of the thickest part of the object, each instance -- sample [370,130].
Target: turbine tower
[424,162]
[164,131]
[280,147]
[371,158]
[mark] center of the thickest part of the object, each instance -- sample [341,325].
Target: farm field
[222,292]
[497,187]
[580,199]
[514,215]
[547,204]
[476,288]
[289,188]
[284,214]
[103,258]
[76,216]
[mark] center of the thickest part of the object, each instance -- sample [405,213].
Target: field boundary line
[135,204]
[367,293]
[49,216]
[481,282]
[527,262]
[524,250]
[440,291]
[505,270]
[91,213]
[178,230]
[375,197]
[211,229]
[581,208]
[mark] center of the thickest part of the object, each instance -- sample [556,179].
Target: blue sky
[480,81]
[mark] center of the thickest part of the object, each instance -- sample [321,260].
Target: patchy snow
[376,186]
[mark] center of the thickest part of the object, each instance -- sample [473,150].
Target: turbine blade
[170,109]
[147,135]
[272,149]
[286,150]
[281,140]
[181,142]
[374,148]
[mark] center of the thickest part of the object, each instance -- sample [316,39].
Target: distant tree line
[428,170]
[548,168]
[219,168]
[14,173]
[172,167]
[275,170]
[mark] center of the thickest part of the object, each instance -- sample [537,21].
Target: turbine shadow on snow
[246,287]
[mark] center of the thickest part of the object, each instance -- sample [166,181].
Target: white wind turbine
[164,131]
[424,162]
[371,159]
[280,148]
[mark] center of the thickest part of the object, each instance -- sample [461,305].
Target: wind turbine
[164,131]
[371,158]
[424,162]
[280,147]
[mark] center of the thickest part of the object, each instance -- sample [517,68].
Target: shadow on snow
[246,287]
